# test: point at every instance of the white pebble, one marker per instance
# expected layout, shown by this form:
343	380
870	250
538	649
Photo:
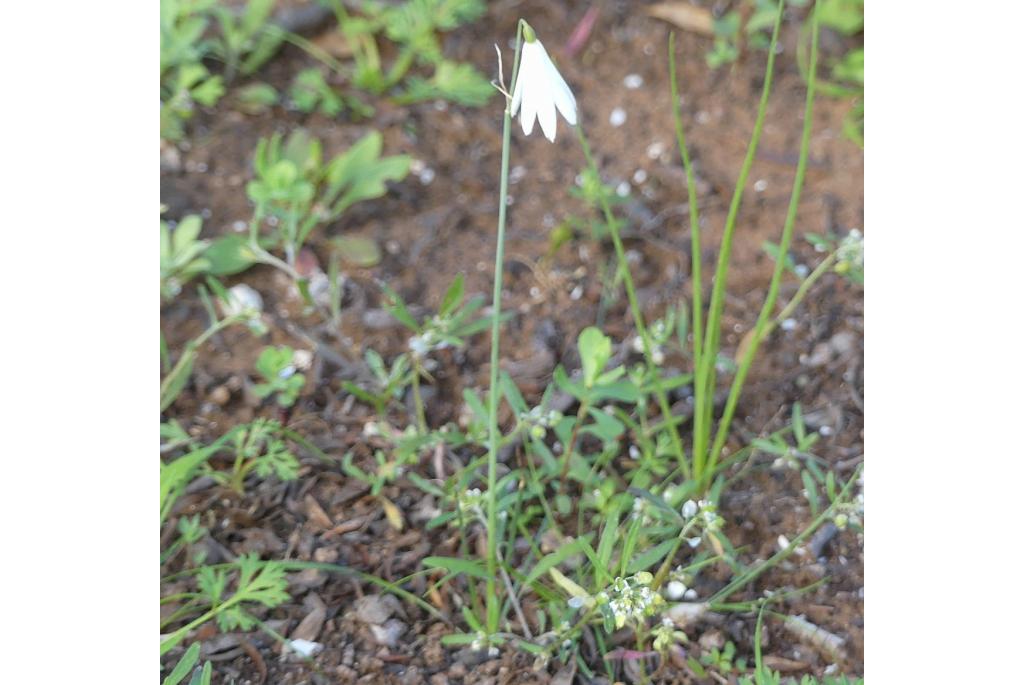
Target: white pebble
617	117
675	590
633	81
306	648
760	185
576	293
639	176
655	150
788	324
427	176
622	190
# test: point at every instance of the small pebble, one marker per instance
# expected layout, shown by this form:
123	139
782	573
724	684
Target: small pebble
633	81
617	117
427	176
220	395
655	150
639	176
788	324
760	185
622	190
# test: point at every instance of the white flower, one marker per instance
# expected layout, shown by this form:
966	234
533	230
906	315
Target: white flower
540	89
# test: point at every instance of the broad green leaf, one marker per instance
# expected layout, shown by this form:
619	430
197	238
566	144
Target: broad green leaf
229	255
595	350
184	665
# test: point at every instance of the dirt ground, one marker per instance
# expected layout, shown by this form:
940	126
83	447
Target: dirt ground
431	231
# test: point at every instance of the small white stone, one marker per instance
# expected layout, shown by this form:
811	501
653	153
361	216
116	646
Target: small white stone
427	176
690	595
633	81
675	590
576	293
788	324
693	542
622	190
306	648
302	359
639	176
617	117
760	185
783	542
655	150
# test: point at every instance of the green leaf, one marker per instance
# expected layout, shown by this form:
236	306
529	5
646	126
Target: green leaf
651	557
455	565
184	665
357	251
229	255
554	559
595	351
453	297
174	382
844	16
360	174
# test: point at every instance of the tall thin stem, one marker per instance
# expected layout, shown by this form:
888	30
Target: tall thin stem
493	603
638	319
691	191
705	380
761	327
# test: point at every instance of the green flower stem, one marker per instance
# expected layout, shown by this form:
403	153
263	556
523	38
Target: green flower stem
691	190
704	385
421	416
761	328
493	602
638	319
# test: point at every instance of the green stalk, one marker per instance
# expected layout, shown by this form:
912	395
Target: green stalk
705	381
493	603
691	189
638	319
760	329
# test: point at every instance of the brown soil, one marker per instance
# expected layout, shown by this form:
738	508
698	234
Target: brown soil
431	232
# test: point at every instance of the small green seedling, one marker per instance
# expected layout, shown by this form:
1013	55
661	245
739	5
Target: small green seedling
388	384
181	254
256	583
277	367
294	191
246	40
259	447
310	93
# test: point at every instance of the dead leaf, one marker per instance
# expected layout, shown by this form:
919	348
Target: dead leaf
316	514
685	16
333	43
393	514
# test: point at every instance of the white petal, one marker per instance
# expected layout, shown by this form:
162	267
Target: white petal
561	93
528	72
546	114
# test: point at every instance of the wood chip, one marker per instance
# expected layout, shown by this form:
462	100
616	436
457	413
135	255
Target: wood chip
316	514
685	16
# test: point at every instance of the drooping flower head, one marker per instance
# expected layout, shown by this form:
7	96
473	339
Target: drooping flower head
540	89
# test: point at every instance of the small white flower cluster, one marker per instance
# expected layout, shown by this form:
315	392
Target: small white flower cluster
849	512
657	354
246	302
641	510
789	460
539	421
481	642
471	502
707	518
850	254
426	342
665	635
629	600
